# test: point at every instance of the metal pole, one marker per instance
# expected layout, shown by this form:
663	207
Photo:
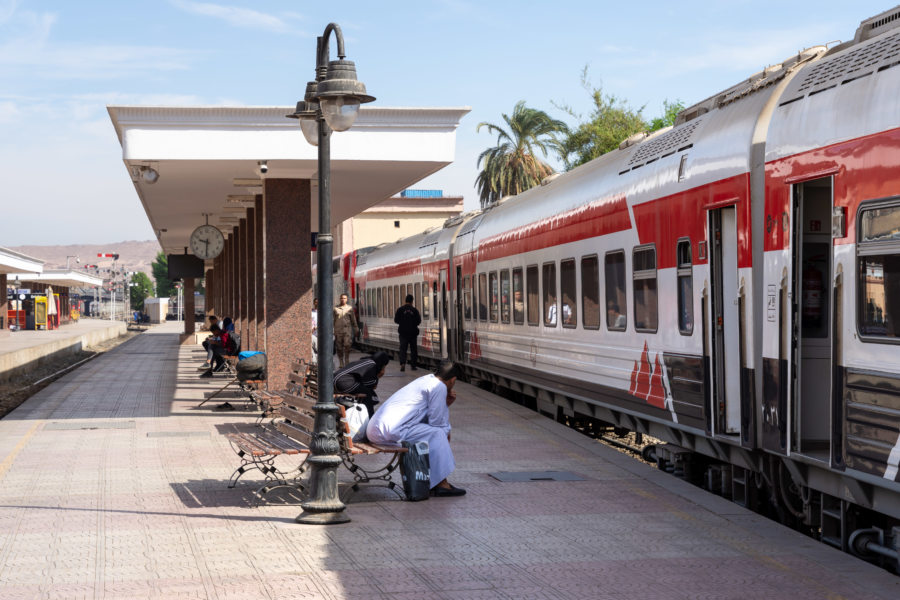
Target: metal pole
324	506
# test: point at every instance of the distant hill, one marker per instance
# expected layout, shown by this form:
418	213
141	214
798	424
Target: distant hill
133	255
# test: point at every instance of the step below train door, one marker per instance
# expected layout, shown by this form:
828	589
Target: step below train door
811	343
725	313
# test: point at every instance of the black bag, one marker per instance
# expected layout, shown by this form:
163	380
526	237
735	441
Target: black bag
415	470
252	367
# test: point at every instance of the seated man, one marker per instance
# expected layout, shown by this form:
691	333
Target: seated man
360	378
213	320
220	345
420	412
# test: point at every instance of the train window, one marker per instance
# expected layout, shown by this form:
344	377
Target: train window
878	251
518	297
435	299
567	288
482	297
614	272
426	314
467	298
358	300
646	317
685	288
504	296
548	279
590	292
397	300
379	302
402	294
534	295
418	295
495	296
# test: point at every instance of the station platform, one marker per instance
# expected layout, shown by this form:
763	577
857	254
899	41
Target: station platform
113	484
23	349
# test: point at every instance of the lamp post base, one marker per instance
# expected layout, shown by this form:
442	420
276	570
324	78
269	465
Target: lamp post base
327	517
324	506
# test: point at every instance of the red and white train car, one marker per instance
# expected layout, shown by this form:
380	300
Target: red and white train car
730	285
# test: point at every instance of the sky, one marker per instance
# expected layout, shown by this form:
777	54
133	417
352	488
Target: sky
63	62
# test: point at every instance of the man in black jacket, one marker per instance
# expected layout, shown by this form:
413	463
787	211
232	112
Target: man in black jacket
407	318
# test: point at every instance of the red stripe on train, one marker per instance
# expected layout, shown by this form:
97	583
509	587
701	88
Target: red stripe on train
600	217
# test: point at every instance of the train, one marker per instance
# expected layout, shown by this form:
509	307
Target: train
729	285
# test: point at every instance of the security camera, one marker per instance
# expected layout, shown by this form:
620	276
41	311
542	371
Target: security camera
263	167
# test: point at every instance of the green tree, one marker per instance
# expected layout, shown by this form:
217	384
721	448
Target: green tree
610	122
670	111
511	167
141	289
165	287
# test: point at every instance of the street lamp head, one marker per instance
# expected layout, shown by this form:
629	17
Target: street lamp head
340	95
306	114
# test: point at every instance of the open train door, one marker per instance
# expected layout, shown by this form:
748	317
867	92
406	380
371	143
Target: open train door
442	313
810	364
725	332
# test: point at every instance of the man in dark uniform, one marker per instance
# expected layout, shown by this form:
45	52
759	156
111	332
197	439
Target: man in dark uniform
407	319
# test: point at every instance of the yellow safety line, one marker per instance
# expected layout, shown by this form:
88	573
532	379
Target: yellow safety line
8	461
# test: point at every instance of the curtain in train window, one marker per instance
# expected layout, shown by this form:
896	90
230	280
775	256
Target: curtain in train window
402	294
518	297
426	314
567	288
532	283
646	315
495	296
685	288
504	296
397	299
590	292
614	271
548	280
878	248
482	297
467	298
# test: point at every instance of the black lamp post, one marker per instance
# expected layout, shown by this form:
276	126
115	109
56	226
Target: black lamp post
331	104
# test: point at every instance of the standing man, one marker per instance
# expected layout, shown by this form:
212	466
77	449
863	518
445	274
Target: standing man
345	329
407	319
420	412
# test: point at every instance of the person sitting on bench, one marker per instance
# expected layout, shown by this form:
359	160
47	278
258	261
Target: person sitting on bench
420	412
221	345
360	378
213	320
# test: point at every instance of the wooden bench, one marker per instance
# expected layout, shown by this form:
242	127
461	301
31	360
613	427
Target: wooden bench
291	432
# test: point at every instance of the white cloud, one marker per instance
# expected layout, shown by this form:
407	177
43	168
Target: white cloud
233	15
9	112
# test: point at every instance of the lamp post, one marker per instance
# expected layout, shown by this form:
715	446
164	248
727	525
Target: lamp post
331	103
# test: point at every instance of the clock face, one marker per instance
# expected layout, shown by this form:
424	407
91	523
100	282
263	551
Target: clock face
207	242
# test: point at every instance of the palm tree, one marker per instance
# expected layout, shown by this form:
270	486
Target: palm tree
511	166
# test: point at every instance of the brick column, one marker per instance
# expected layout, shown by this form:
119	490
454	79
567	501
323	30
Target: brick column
4	303
242	281
288	277
188	306
251	337
210	293
260	273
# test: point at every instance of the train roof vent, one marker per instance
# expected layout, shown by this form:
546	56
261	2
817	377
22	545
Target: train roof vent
878	24
676	140
431	239
849	66
470	226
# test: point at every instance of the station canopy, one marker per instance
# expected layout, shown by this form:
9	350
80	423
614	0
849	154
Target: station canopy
15	262
206	160
59	278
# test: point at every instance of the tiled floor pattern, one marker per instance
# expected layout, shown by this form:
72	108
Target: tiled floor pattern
113	485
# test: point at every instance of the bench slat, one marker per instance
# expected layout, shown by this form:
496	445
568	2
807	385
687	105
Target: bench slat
287	444
303	403
299	419
304	437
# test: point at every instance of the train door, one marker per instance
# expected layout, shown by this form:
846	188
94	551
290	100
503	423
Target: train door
810	311
442	322
458	333
726	384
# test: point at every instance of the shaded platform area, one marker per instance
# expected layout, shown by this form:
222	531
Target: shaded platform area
114	485
24	349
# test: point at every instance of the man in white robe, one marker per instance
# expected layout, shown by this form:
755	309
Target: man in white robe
420	412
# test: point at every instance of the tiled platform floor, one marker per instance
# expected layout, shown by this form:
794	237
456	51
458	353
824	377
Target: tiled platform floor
113	485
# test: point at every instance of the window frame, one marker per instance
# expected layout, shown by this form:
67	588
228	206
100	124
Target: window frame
684	270
483	297
512	300
544	306
868	248
600	312
560	317
644	275
624	289
494	298
467	298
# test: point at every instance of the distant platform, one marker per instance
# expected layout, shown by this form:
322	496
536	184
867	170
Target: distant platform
20	350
